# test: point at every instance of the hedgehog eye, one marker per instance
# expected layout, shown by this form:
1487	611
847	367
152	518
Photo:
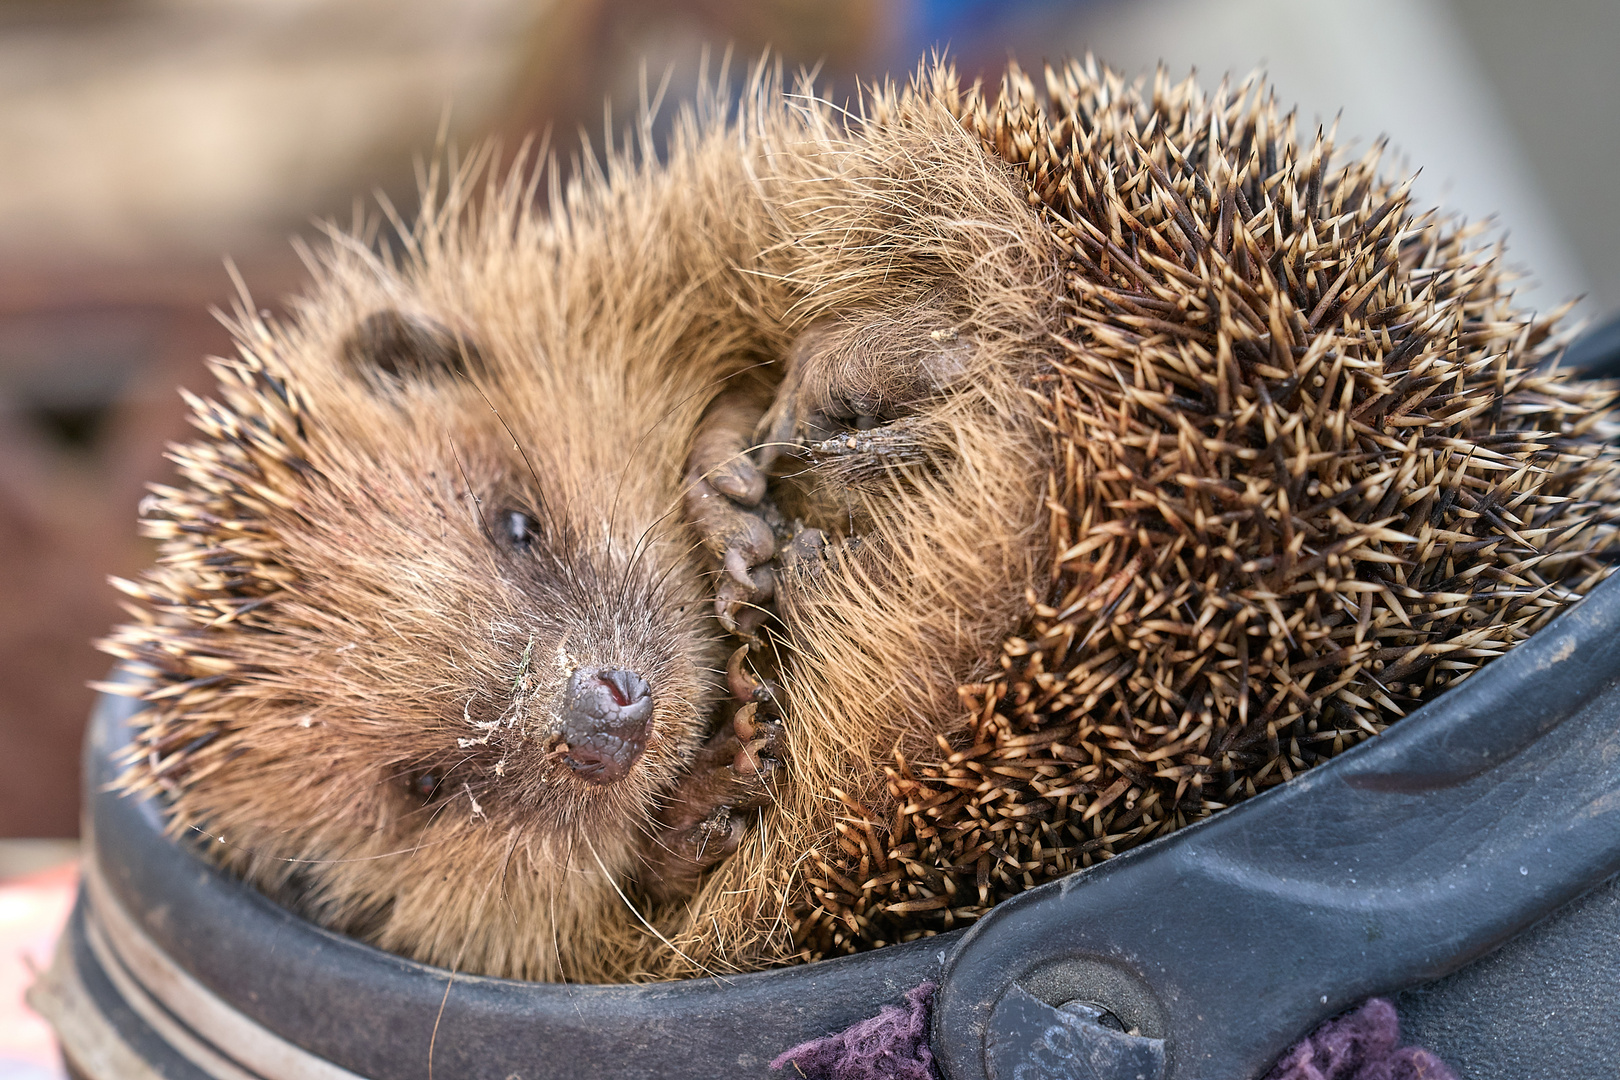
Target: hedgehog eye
517	529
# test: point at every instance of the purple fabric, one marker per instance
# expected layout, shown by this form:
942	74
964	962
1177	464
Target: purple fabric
893	1045
1360	1045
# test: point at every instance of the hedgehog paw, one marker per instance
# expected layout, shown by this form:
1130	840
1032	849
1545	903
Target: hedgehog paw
709	811
725	502
851	384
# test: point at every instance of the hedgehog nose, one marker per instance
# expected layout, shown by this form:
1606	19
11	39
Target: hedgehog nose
605	714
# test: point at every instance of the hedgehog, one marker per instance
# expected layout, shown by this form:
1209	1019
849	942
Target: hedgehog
799	542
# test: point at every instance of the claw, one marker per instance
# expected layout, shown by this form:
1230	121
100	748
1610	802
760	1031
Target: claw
730	531
738	566
739	680
744	723
741	606
707	816
745	686
739	480
760	759
755	723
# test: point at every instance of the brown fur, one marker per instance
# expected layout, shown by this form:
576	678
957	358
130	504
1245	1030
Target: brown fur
331	623
329	554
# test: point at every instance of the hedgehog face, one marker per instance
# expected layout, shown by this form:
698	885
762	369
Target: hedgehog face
556	681
430	606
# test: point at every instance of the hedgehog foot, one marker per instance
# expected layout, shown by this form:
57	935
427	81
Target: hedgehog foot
711	808
851	383
844	401
725	502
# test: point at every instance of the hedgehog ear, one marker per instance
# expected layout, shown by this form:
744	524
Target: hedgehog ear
388	348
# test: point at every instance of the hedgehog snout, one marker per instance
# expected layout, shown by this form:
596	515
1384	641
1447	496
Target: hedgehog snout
606	714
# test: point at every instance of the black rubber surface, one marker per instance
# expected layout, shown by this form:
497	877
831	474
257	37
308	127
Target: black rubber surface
135	1032
1546	1004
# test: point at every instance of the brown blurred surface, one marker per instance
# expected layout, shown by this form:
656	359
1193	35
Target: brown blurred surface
89	404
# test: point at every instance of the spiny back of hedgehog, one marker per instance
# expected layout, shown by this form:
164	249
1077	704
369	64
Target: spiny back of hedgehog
862	686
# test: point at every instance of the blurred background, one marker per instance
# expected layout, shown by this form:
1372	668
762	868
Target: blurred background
142	142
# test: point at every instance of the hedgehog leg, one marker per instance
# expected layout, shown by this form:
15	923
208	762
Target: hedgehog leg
852	383
848	388
725	501
711	808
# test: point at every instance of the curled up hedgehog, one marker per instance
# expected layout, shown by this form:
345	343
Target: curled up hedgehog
802	542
